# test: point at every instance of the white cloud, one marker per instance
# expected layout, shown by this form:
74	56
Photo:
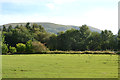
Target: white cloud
17	1
23	18
54	3
23	2
13	1
0	8
50	6
103	19
99	18
63	1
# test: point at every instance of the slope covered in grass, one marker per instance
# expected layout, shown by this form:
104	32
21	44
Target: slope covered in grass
60	66
54	28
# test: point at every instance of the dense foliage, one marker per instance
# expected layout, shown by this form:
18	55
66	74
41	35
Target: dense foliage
83	39
21	47
34	38
38	47
12	49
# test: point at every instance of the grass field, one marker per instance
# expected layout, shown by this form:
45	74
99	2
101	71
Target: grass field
60	66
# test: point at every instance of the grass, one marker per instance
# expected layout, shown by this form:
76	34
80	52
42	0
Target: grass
60	66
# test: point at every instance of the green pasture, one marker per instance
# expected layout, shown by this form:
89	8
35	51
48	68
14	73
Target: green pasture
60	66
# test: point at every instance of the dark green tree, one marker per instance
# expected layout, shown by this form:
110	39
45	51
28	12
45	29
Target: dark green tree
4	28
118	39
94	41
18	35
52	42
27	25
9	28
107	39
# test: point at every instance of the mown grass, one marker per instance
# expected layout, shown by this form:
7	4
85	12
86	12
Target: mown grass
60	66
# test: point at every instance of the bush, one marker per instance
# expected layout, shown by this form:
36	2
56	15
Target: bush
12	49
4	48
38	47
118	53
78	52
29	46
21	47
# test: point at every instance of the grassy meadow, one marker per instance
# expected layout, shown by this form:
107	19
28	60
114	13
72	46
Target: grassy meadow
60	66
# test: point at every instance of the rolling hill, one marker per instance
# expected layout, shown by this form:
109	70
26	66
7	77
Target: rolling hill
54	28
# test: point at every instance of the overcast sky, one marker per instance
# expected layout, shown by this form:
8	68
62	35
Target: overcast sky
101	14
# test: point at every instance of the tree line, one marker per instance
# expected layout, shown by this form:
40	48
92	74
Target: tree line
34	38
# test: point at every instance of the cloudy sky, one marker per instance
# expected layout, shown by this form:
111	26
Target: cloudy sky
101	14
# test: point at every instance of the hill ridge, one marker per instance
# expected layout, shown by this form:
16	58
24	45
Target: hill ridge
53	27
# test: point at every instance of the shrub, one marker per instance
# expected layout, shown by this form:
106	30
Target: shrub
38	47
29	46
21	47
118	52
12	49
4	48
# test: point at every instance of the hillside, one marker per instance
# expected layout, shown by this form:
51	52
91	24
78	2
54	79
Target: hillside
54	28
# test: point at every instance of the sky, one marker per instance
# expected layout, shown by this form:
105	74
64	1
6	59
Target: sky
101	14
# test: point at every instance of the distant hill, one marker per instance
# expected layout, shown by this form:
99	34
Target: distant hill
54	28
